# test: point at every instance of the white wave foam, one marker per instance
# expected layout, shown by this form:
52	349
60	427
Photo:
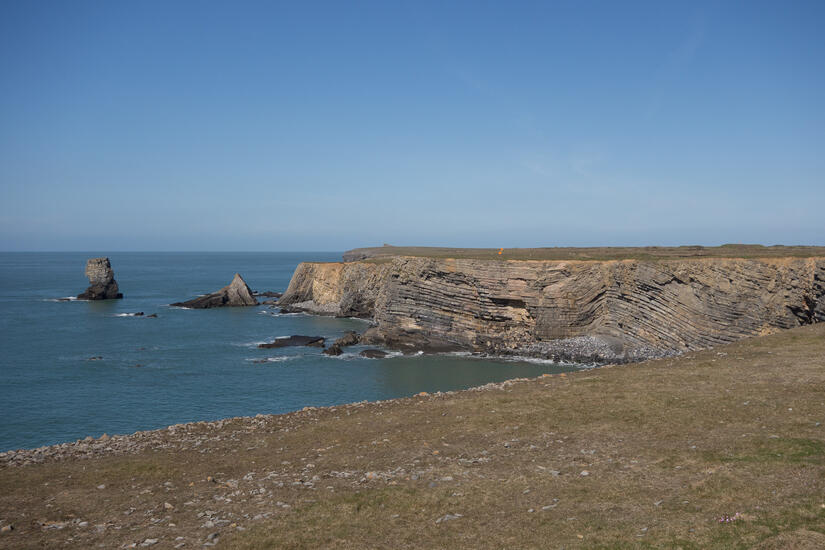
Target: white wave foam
278	359
249	344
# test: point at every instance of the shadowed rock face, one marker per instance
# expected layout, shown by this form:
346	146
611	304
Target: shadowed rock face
236	293
102	281
581	310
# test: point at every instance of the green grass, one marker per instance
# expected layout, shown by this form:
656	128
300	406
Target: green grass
651	253
669	445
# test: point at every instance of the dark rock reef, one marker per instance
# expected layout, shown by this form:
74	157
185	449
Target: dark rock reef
373	354
295	340
102	284
334	350
235	294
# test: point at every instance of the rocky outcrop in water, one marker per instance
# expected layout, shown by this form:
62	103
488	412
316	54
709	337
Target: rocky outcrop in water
295	340
236	293
617	310
334	350
373	354
102	284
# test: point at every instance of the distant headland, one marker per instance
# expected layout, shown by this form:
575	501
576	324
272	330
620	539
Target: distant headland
584	304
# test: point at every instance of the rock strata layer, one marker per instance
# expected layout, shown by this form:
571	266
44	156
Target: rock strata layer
102	284
236	294
617	310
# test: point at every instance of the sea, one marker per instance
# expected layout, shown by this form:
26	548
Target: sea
71	369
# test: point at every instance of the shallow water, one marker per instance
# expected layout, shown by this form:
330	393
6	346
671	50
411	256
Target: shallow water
186	365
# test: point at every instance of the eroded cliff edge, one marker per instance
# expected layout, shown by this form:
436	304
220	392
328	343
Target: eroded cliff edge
617	310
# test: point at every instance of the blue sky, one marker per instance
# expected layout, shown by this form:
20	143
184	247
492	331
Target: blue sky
326	126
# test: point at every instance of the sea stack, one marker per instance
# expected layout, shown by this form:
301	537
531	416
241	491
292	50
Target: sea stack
102	284
236	293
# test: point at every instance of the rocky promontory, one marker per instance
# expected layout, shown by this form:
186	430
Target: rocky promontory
102	284
636	304
236	293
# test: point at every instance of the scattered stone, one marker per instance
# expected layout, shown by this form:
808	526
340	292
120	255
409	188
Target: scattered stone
448	517
101	486
149	542
7	529
585	473
168	506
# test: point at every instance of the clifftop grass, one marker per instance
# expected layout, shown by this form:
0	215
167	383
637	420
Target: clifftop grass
649	253
650	455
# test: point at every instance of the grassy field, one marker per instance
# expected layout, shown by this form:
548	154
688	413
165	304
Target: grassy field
598	254
649	455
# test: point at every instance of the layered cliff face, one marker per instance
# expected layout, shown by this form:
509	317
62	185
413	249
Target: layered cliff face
586	310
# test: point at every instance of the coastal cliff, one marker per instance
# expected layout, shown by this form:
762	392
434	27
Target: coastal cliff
614	310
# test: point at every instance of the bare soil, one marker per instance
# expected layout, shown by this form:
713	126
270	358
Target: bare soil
648	455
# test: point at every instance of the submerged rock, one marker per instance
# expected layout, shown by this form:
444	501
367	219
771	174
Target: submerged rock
373	353
102	281
295	340
334	350
236	293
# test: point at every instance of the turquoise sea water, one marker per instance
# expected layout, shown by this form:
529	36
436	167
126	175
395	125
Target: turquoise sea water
186	365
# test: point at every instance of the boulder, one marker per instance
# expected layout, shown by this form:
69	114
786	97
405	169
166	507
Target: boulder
236	293
334	350
102	284
349	339
295	340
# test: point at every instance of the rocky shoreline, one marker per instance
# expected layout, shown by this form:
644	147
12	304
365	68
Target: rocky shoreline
193	435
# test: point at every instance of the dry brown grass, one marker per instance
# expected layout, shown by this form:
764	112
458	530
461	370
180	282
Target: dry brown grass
604	253
670	446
